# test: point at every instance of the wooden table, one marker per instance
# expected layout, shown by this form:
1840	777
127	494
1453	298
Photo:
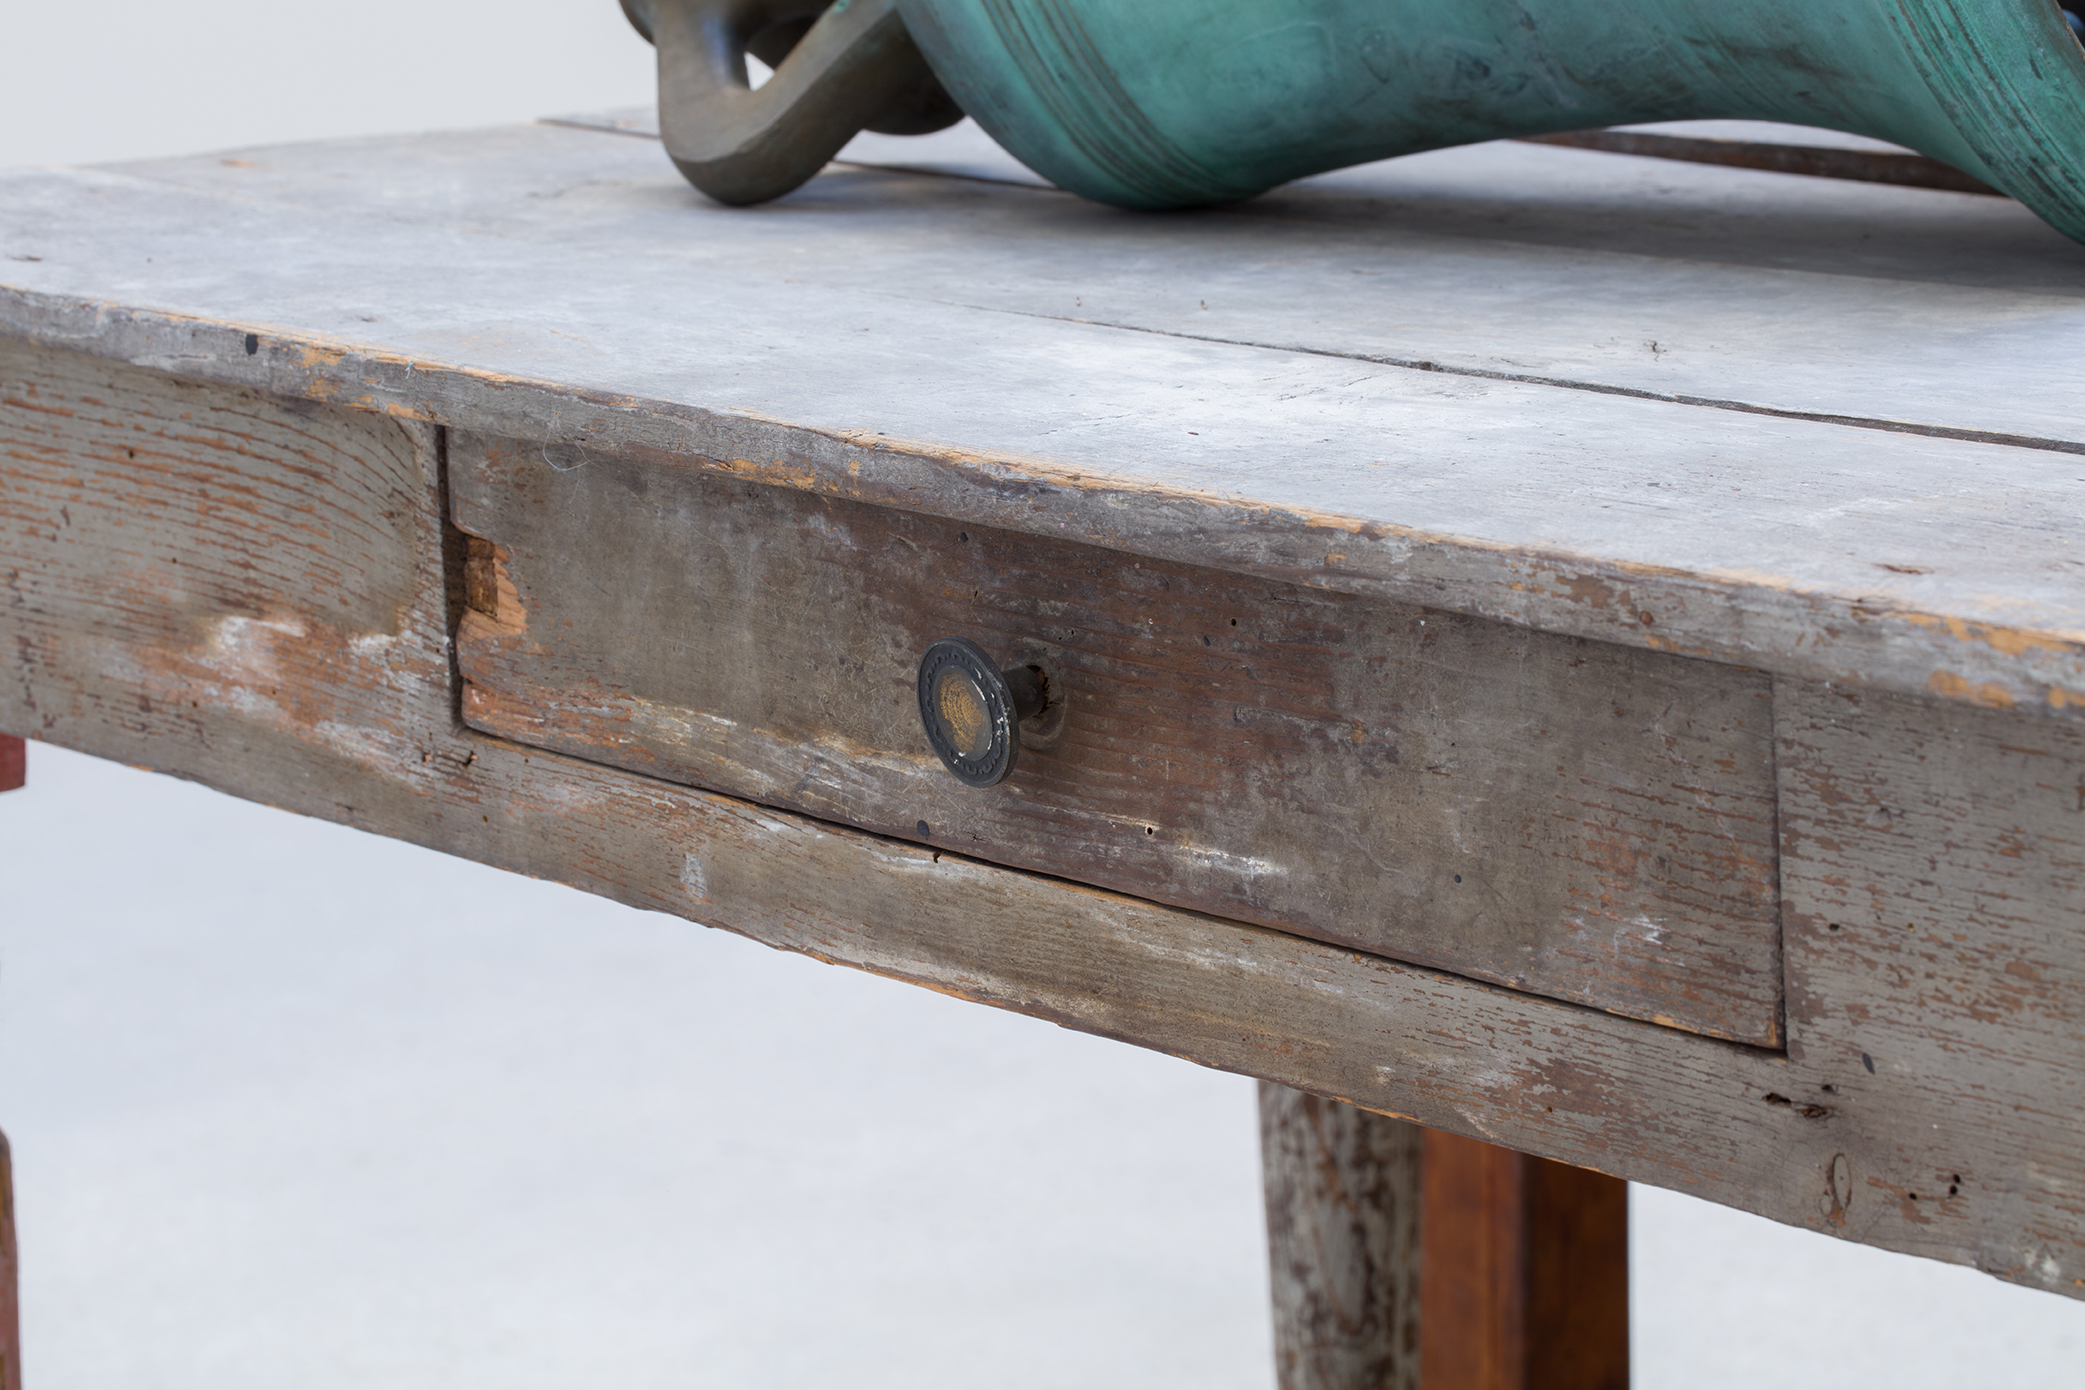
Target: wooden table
1568	651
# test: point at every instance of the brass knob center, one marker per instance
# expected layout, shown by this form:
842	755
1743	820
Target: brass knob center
963	712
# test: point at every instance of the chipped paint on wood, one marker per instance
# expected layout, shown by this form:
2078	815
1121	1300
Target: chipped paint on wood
1990	695
1578	819
1344	1200
119	570
1934	871
1727	613
320	613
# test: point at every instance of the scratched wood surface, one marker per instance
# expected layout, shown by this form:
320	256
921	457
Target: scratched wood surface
172	547
1934	866
1344	1195
1583	820
258	593
1789	423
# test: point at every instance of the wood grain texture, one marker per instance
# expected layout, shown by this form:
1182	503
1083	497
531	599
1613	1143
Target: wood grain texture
1475	1291
1577	1236
14	762
10	1278
1343	1220
1528	383
264	560
1935	869
1578	819
143	669
1526	1271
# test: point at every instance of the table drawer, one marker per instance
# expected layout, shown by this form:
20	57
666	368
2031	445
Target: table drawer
1585	821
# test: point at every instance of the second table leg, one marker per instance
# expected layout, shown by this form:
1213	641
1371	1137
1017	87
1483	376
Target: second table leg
13	772
10	1317
1404	1258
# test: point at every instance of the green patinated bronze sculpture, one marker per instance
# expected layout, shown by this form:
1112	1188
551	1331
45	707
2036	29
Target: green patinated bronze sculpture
1172	103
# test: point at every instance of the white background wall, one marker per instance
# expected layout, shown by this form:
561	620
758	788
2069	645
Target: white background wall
122	79
292	1105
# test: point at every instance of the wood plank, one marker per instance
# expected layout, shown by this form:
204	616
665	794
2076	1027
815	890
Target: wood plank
1343	1241
1757	289
1404	1257
1476	1290
189	548
13	775
1806	547
342	705
1578	819
1526	1271
1934	866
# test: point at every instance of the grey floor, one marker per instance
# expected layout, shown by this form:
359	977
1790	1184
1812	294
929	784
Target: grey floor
293	1106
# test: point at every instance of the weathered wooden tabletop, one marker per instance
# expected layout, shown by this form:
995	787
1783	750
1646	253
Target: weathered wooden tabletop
1688	557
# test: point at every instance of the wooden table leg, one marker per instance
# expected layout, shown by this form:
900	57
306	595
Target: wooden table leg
1343	1238
1407	1258
14	768
1527	1271
10	1310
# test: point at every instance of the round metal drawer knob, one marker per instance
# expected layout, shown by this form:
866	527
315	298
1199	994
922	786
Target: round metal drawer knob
972	710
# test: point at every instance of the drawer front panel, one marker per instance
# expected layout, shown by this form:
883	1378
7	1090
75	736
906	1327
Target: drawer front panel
1588	822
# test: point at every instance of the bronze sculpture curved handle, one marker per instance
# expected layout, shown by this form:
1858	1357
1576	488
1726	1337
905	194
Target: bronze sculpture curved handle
838	70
